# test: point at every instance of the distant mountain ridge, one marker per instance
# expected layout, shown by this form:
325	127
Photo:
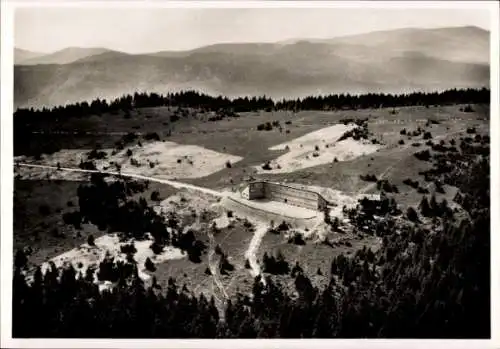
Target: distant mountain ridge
400	60
21	56
65	56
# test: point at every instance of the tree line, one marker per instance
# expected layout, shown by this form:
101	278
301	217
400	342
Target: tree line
197	100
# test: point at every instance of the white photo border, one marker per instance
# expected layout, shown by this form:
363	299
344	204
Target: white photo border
6	183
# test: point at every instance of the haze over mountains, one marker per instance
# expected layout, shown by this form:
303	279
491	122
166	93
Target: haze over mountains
387	61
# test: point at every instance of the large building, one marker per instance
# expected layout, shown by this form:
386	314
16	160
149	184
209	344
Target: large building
285	194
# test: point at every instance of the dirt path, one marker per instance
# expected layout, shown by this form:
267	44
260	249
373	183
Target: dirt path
213	265
253	247
172	183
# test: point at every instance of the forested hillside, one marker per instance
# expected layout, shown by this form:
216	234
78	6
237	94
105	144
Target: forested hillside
430	279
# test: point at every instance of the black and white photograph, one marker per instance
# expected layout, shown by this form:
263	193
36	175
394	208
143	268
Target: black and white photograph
199	171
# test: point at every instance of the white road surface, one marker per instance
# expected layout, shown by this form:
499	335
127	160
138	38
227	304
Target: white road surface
172	183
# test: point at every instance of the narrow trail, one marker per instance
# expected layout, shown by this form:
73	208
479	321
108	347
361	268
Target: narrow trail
175	184
253	247
213	265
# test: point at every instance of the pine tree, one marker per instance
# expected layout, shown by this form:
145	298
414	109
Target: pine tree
425	208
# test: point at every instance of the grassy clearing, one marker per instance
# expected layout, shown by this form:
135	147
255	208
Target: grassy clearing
240	137
43	229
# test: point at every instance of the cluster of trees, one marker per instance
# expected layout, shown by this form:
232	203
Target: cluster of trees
194	99
268	126
360	132
431	208
423	155
385	185
275	265
108	206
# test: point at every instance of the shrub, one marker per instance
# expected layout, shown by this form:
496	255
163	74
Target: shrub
266	127
283	226
422	190
402	132
467	109
423	155
425	208
228	164
90	240
95	154
296	239
134	162
368	178
152	136
44	209
266	166
427	135
74	218
401	141
129	137
129	152
218	250
156	248
149	265
411	183
471	130
247	224
87	165
275	265
439	188
383	184
225	265
155	195
411	214
128	249
20	259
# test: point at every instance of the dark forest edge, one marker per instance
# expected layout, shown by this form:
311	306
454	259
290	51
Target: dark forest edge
194	99
429	279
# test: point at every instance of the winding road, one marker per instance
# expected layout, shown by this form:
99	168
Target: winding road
175	184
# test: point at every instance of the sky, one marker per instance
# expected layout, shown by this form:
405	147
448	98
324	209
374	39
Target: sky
140	30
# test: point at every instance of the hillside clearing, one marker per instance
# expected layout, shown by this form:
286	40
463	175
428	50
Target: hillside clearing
163	160
86	256
318	148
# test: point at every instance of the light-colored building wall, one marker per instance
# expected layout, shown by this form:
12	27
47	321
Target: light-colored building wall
286	194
